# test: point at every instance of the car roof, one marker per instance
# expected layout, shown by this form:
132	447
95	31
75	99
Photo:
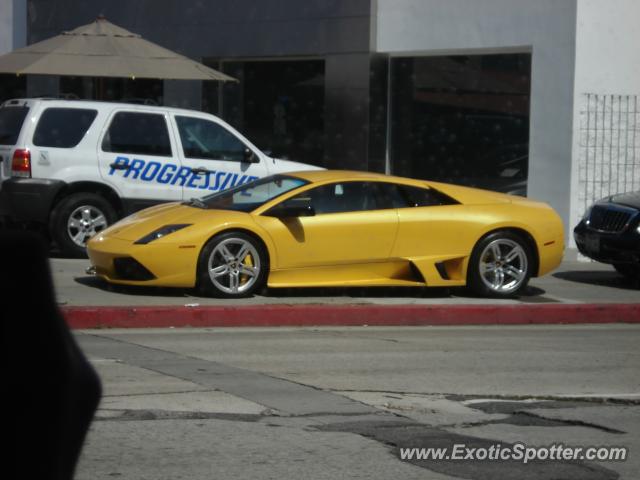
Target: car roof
62	102
319	176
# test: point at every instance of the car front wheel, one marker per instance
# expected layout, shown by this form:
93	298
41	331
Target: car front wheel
232	265
500	265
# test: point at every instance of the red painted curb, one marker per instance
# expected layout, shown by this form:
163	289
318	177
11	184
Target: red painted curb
347	315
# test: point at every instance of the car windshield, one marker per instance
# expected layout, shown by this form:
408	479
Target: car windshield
250	196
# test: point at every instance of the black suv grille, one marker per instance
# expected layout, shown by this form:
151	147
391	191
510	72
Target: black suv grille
606	219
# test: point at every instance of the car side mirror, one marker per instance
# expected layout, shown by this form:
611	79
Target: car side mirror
292	210
249	157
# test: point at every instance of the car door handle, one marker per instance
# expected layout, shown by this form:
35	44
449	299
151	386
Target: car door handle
200	171
120	166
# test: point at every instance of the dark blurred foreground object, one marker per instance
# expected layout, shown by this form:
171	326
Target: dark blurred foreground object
50	391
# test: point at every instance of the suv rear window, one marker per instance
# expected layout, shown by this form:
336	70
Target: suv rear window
11	120
138	133
63	127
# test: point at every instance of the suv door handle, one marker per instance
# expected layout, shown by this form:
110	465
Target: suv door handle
119	166
200	171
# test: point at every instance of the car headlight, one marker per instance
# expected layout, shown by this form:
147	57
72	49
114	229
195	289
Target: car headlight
161	232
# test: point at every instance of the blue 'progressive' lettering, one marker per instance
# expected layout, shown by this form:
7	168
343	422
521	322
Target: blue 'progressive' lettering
171	174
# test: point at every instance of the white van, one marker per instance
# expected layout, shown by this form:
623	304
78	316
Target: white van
78	166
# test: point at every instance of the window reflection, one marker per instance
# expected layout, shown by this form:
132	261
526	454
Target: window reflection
462	119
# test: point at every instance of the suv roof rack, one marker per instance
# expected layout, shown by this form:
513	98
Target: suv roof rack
74	97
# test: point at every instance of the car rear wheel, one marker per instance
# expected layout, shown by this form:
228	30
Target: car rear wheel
629	270
500	265
77	218
232	265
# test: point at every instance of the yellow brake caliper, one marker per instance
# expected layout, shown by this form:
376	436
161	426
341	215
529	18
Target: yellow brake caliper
248	262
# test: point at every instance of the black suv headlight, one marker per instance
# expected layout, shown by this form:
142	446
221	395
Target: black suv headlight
161	232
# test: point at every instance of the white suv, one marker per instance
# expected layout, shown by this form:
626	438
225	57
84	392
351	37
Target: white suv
78	166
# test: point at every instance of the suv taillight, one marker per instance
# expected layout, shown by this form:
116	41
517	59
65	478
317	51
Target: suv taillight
21	163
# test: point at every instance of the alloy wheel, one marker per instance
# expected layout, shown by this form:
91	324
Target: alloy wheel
84	222
503	266
234	266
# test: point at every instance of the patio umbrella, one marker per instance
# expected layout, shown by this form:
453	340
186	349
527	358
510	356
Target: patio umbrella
102	49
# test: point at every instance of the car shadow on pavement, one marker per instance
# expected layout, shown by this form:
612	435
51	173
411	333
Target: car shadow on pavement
531	294
599	278
95	282
362	292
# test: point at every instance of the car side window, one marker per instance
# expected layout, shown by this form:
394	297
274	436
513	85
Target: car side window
424	197
138	133
63	127
340	197
209	140
389	195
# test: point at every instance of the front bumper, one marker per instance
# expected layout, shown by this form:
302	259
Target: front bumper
550	256
167	264
610	248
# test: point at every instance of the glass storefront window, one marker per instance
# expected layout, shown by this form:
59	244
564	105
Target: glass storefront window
279	105
12	86
142	90
462	119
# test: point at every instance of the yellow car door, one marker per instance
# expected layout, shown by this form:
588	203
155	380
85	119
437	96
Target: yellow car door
347	227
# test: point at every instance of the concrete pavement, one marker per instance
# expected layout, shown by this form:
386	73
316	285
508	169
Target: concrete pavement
340	402
578	292
572	282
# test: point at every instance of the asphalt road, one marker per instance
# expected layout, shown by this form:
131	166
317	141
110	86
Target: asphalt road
573	282
334	403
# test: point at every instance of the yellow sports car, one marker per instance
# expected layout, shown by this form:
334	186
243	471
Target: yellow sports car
334	228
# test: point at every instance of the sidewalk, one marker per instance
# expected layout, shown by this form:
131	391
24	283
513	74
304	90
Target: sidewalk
578	292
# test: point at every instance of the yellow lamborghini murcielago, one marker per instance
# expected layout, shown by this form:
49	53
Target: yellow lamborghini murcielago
334	228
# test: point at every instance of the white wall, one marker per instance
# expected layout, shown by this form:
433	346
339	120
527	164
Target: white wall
607	65
608	46
13	25
6	26
544	27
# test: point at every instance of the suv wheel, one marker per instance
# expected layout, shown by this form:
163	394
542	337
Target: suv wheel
500	265
77	218
232	265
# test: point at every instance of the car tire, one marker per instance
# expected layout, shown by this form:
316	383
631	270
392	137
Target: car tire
232	265
628	270
500	265
77	218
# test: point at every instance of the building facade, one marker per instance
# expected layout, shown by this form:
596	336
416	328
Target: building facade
13	34
537	98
